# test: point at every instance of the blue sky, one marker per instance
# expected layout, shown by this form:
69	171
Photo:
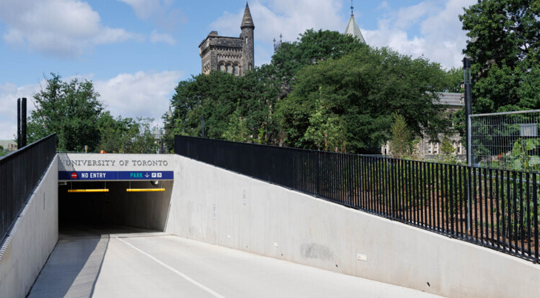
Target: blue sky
136	51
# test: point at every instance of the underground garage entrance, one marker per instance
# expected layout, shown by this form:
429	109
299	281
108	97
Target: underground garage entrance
113	193
114	206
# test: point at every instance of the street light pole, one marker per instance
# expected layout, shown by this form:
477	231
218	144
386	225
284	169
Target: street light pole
468	111
468	105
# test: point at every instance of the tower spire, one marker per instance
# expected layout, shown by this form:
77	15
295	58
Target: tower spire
352	27
247	21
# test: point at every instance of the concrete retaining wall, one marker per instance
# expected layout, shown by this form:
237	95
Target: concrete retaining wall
32	240
220	207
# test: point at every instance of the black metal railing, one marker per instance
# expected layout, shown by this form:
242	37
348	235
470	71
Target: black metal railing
20	173
493	208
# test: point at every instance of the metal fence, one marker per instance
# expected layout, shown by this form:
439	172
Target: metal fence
20	172
493	208
506	140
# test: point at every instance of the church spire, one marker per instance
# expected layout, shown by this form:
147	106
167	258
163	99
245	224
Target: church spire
352	27
247	21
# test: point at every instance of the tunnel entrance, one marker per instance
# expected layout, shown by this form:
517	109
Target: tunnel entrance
113	212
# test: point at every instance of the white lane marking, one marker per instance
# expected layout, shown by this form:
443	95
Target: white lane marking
174	270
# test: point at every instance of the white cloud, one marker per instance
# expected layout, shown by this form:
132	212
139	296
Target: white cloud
384	5
290	18
64	28
441	38
157	11
9	94
141	94
156	37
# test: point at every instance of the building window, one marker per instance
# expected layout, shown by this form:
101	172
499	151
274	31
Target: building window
430	148
222	67
236	71
458	149
250	67
436	148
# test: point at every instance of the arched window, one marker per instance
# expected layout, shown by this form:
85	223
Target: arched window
236	71
229	68
250	67
222	67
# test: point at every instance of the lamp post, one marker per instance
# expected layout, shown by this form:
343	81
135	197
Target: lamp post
468	111
468	105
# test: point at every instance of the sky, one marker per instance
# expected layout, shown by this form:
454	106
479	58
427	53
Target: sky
136	51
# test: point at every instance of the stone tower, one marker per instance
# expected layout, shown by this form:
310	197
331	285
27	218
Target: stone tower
234	55
248	28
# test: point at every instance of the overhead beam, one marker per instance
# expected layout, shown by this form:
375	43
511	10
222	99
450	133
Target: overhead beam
145	189
87	190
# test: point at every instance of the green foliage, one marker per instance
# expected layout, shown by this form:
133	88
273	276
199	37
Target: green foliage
69	109
402	144
311	48
324	91
519	158
505	52
237	131
125	135
327	130
220	96
72	111
363	89
3	152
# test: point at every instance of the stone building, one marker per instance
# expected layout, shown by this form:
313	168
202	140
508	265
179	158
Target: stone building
427	150
8	145
234	55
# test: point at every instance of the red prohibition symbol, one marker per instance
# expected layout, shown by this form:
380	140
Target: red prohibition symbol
74	175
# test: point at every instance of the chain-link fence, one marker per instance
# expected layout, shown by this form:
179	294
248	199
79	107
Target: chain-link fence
506	140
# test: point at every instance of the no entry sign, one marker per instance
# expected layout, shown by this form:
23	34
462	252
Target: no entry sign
74	175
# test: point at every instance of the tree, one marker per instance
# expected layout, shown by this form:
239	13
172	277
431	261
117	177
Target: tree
141	138
125	135
69	109
3	152
403	141
220	96
448	150
504	49
363	90
214	96
326	130
311	48
237	131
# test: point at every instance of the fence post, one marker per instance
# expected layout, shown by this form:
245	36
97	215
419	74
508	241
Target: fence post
535	214
318	173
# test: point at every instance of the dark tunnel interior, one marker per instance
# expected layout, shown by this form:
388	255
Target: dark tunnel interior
117	207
